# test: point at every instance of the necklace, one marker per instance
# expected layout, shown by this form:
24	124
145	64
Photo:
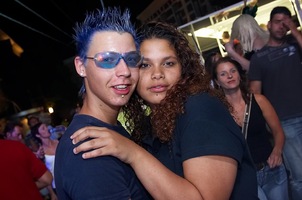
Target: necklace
238	113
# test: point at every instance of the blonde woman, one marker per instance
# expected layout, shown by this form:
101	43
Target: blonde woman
251	37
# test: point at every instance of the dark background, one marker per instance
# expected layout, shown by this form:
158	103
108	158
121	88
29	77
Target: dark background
44	74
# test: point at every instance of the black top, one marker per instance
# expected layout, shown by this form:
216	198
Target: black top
258	137
207	128
100	178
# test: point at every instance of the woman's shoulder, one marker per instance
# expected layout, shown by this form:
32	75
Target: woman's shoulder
262	101
204	103
202	96
259	98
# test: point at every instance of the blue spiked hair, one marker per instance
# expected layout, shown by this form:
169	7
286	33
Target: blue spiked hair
109	19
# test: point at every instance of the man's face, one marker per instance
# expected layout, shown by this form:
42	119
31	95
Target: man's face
16	134
109	87
277	27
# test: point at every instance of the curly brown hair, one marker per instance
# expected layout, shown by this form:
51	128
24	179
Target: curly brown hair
193	80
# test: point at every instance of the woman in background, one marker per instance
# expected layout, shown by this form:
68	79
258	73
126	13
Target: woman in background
41	134
271	174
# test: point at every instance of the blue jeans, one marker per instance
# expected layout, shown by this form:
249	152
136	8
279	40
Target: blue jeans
272	183
292	154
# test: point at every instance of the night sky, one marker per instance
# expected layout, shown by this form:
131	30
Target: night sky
44	30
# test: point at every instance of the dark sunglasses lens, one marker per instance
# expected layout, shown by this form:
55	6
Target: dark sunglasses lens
106	60
132	59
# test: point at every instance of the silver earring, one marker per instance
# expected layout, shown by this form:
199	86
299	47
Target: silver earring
82	74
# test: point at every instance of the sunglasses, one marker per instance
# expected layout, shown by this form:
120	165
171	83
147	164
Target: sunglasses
110	59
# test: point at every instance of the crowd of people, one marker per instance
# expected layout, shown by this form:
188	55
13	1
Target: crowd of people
271	61
23	161
228	130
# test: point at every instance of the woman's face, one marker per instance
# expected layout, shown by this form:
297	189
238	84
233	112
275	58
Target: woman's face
227	76
160	70
43	131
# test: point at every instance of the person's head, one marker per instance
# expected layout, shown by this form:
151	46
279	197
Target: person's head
39	132
170	72
210	60
32	120
276	25
246	29
14	131
229	76
168	62
280	10
107	56
162	66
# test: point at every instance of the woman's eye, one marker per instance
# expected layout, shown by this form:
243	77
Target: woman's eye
169	64
144	65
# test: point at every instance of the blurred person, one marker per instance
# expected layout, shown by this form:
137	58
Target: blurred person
252	112
32	120
210	60
22	173
107	60
41	134
55	131
189	145
14	131
251	36
209	63
276	72
31	142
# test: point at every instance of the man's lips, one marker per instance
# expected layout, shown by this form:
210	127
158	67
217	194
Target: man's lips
122	89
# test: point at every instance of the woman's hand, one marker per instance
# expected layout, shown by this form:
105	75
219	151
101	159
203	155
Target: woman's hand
275	159
40	153
103	142
229	48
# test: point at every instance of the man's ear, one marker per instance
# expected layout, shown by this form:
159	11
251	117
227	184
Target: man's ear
79	66
268	25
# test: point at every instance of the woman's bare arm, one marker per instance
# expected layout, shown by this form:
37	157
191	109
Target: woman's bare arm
270	115
206	177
